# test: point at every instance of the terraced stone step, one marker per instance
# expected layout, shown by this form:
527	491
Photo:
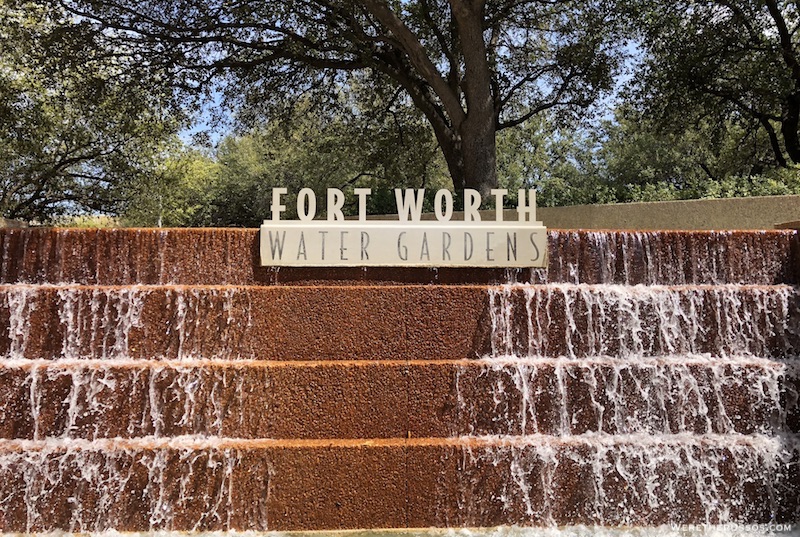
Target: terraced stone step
368	323
634	321
240	402
269	323
218	484
228	256
379	399
661	395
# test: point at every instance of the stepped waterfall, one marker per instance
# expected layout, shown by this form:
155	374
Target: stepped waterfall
159	380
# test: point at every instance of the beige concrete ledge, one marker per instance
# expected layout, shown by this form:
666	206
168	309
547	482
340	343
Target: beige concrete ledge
767	212
7	222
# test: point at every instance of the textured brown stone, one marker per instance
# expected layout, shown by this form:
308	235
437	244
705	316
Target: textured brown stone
363	400
266	323
488	484
288	485
587	321
229	257
562	398
181	387
316	401
277	487
367	323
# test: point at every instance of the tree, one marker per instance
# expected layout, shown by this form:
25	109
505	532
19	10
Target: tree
562	163
630	157
69	137
472	67
344	151
727	61
636	152
178	192
232	184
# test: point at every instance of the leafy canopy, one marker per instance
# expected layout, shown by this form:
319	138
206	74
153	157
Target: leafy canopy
728	61
471	67
71	134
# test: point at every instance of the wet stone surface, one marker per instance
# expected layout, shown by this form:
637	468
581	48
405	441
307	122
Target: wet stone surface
158	380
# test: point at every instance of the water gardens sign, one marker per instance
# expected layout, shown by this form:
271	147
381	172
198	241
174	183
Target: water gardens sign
409	240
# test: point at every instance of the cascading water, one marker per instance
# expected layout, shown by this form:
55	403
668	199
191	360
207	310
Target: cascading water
639	404
644	384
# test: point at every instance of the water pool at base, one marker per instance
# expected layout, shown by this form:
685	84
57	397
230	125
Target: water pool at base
689	530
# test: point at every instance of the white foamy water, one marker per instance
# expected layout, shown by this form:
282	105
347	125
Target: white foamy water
110	483
616	405
728	530
131	398
659	258
99	322
654	395
628	384
600	320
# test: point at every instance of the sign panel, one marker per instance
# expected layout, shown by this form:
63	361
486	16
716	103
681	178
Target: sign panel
412	244
409	241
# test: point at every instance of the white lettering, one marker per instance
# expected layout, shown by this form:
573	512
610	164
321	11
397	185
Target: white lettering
472	204
306	205
362	194
335	204
409	204
526	211
499	200
447	197
277	207
404	242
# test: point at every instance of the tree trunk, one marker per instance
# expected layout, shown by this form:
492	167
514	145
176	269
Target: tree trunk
466	137
472	157
478	150
477	131
773	141
453	156
789	127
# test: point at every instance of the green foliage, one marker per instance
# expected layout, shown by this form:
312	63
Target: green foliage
776	182
71	136
732	62
562	164
87	221
469	68
645	162
233	186
631	158
345	152
177	193
92	93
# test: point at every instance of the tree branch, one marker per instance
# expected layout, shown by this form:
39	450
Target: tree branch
418	57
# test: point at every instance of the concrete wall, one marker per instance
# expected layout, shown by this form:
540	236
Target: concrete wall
7	222
731	213
765	212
